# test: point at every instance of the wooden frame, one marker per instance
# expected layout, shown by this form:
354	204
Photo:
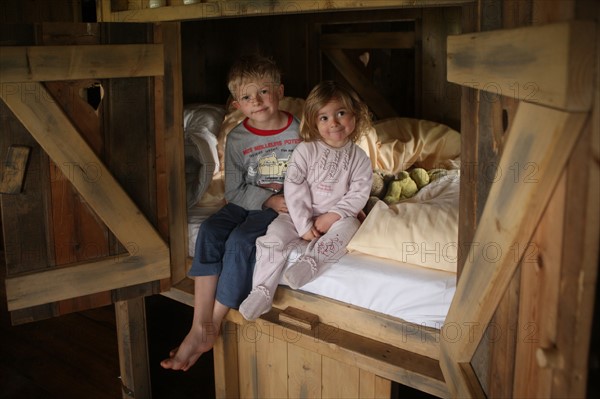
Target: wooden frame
514	207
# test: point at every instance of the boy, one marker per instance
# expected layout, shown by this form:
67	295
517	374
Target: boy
256	155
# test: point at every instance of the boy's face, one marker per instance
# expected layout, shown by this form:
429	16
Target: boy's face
259	101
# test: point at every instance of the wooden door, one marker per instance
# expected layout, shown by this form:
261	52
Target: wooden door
87	222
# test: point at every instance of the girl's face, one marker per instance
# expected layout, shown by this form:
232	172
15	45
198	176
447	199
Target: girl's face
335	123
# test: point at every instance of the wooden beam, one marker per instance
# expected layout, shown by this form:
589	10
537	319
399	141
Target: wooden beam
60	140
359	82
172	135
368	40
56	284
536	152
47	63
551	65
133	348
227	8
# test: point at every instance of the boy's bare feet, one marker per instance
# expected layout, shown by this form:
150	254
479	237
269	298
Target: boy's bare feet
198	341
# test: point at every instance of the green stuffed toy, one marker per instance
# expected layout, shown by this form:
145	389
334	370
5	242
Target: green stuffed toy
393	189
420	176
401	188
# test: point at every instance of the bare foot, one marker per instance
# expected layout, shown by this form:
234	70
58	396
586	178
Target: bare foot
198	341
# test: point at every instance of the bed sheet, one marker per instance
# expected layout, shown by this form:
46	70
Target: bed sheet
415	294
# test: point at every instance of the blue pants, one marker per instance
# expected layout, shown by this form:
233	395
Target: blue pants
226	246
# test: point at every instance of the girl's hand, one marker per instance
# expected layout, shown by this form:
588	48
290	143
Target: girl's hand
277	203
323	222
311	234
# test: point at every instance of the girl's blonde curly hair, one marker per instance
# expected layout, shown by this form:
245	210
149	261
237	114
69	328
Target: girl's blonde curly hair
324	93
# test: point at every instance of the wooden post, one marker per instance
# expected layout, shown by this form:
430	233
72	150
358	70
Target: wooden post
133	353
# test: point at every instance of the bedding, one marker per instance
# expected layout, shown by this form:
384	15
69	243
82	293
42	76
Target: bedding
421	230
201	126
399	289
402	261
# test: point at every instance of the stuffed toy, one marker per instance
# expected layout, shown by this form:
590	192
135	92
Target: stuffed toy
401	188
406	184
380	183
420	176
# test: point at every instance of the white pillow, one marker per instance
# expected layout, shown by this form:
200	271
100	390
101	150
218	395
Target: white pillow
201	124
422	230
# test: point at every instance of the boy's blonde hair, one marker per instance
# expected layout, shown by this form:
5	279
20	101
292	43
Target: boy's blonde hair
324	93
252	67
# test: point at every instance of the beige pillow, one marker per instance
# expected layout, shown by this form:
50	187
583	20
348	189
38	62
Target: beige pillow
406	142
422	230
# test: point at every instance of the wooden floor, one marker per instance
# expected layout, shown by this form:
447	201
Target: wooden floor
76	356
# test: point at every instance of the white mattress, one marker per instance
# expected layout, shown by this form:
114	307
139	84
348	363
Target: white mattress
416	294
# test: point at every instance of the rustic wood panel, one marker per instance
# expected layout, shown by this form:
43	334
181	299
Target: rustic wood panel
440	100
247	361
373	386
339	380
579	274
26	245
14	169
24	221
271	366
77	233
304	372
540	281
226	355
404	40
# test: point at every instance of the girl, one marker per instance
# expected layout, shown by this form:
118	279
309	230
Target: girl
327	184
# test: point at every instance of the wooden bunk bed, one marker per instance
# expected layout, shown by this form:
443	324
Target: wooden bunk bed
366	351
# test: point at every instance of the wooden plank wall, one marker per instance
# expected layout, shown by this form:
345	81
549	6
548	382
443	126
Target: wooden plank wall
412	88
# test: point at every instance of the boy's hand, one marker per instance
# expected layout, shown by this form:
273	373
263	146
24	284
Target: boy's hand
275	187
323	222
277	203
